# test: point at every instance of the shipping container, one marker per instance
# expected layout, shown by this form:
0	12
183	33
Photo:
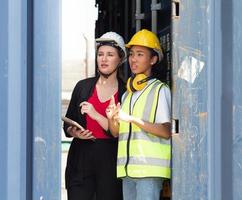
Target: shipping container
201	41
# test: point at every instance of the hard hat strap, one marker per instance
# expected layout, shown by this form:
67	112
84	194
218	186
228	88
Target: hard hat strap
109	74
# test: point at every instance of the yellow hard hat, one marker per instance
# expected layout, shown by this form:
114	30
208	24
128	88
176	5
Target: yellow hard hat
147	39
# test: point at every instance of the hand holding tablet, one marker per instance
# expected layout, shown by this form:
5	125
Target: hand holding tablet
77	130
72	123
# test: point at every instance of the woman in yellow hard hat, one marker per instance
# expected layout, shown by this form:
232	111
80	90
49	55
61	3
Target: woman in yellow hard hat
142	123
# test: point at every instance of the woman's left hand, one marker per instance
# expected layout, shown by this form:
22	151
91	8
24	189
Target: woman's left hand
88	108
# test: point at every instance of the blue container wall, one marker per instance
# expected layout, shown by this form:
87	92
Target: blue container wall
4	97
237	99
30	138
46	100
190	92
207	98
13	113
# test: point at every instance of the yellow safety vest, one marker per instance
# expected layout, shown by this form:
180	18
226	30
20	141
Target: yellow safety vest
141	154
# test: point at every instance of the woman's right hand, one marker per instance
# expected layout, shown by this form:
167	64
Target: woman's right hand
111	110
112	114
81	134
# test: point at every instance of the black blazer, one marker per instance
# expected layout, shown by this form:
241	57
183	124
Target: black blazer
82	91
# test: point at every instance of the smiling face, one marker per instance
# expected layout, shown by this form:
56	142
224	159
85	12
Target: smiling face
141	60
107	59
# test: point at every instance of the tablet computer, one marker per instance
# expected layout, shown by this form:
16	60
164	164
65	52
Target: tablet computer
72	123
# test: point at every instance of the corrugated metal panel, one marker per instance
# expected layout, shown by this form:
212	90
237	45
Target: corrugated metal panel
190	99
13	95
237	103
4	96
46	100
207	100
18	124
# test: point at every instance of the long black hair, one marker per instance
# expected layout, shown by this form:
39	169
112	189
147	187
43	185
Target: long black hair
159	69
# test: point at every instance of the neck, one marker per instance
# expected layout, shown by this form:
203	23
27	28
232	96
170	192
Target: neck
111	80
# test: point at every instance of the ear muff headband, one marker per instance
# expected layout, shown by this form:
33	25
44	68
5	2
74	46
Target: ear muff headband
128	85
138	82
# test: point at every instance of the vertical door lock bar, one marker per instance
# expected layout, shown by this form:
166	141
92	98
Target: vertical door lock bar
175	126
175	9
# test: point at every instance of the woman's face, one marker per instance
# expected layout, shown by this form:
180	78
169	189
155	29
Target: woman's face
140	60
107	59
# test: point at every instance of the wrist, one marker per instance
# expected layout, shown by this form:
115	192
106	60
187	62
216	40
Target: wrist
135	120
97	117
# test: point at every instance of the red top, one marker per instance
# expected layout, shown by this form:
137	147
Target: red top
100	107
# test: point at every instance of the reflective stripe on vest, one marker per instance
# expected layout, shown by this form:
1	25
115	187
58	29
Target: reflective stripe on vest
141	154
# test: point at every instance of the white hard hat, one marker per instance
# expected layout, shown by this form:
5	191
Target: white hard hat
113	37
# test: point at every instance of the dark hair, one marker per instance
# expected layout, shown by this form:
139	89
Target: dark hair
158	70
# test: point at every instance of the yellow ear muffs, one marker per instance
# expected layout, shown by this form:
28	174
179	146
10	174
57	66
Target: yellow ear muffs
139	82
136	83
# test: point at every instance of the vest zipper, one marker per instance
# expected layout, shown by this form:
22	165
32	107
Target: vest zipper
128	141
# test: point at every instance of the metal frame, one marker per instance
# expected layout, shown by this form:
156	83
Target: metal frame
214	108
227	99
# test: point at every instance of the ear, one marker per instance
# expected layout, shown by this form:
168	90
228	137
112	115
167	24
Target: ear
154	60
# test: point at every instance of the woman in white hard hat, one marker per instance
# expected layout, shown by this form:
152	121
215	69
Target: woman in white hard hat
143	125
91	164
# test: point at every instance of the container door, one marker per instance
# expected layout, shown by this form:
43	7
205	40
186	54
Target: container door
190	61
